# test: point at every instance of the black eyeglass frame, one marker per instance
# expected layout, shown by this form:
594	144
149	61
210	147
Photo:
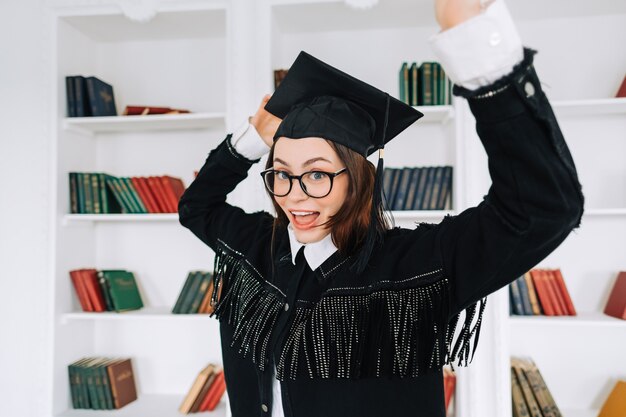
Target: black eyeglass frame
331	175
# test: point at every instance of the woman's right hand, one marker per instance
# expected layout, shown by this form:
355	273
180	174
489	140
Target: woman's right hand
265	122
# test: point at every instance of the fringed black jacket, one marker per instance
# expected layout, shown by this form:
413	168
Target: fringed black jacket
374	344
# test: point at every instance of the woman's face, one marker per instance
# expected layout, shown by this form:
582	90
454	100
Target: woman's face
306	214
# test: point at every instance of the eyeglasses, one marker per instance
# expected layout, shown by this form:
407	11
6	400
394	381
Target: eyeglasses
316	184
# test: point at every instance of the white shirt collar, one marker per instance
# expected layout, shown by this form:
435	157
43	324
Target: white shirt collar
315	253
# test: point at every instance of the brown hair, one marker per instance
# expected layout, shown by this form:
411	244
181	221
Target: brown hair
350	224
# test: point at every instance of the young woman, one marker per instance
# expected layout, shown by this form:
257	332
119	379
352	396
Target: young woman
324	309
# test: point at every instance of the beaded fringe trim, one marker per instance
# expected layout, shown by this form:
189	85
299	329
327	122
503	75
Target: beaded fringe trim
246	304
386	332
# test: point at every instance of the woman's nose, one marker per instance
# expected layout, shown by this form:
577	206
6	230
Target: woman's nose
297	193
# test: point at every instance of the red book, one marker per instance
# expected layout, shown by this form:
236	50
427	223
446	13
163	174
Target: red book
81	290
214	394
157	189
93	289
168	188
542	292
142	194
616	306
622	89
553	292
569	305
145	182
449	383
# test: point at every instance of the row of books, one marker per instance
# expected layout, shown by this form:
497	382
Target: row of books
424	85
418	188
530	394
541	292
89	96
101	383
106	290
449	387
195	296
101	193
206	391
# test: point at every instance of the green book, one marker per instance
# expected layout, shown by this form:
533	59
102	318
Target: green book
121	188
117	193
134	195
185	307
106	383
95	194
403	78
183	292
413	74
199	295
88	192
123	290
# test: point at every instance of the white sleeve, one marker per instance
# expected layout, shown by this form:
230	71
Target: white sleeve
481	49
247	141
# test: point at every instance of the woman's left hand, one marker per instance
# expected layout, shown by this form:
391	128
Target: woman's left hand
450	13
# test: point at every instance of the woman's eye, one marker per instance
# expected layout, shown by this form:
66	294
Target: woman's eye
317	176
282	175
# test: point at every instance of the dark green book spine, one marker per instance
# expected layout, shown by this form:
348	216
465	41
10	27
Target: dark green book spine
183	293
73	193
102	187
199	295
97	205
185	308
87	188
135	195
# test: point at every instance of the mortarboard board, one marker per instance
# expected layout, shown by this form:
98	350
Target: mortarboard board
318	100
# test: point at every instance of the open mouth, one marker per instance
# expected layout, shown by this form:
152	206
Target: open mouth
304	219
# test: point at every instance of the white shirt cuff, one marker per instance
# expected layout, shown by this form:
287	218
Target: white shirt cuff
247	141
481	49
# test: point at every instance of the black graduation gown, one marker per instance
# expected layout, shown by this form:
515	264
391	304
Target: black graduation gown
374	344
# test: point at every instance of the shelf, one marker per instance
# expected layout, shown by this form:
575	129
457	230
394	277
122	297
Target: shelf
146	313
605	212
582	319
153	405
439	113
570	412
110	124
590	107
137	217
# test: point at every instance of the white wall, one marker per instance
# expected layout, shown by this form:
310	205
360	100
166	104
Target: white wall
24	208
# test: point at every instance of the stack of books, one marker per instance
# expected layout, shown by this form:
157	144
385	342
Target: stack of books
101	193
106	290
540	292
89	96
195	296
418	188
531	396
424	85
100	383
206	391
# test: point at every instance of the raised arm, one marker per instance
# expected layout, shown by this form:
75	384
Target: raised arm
203	208
535	199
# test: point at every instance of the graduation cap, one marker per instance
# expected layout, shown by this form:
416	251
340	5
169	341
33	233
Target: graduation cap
316	99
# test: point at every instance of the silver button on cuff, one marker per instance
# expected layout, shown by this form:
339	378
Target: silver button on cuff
286	306
264	408
529	88
495	39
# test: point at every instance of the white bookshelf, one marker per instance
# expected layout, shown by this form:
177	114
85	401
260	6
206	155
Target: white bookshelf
219	70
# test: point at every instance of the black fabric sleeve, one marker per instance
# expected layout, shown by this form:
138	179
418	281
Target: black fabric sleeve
535	198
203	208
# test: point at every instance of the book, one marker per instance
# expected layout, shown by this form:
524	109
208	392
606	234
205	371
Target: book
279	75
621	91
403	78
196	388
531	396
565	296
616	304
122	287
615	404
122	382
148	110
101	98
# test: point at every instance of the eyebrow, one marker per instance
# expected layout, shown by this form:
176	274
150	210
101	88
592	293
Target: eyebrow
308	162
